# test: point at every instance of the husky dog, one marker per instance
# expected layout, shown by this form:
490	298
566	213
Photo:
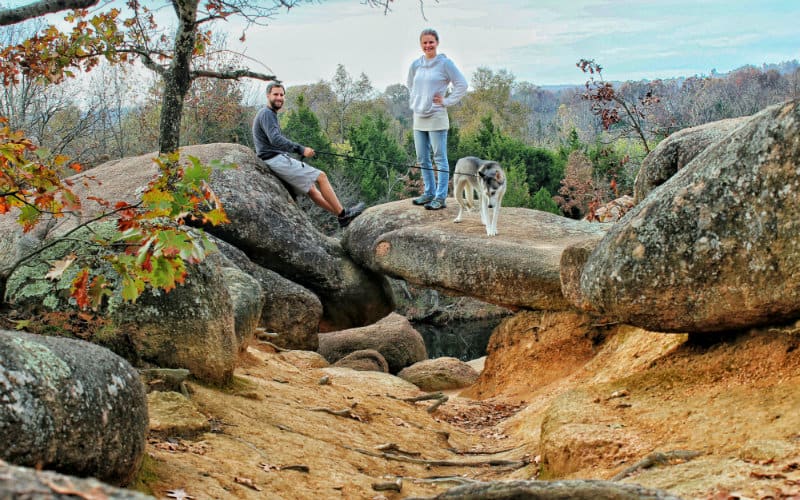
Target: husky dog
485	177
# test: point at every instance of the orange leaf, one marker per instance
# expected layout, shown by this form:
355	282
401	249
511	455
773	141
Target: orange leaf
80	289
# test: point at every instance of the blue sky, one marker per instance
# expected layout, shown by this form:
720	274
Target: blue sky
538	41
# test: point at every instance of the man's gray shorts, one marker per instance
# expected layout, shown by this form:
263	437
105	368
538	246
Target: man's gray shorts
300	176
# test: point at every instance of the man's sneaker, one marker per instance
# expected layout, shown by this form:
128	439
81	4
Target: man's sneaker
422	200
436	204
351	213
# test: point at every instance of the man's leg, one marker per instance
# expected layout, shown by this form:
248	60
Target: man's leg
325	197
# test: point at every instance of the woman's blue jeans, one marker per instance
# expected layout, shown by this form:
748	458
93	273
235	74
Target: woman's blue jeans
426	141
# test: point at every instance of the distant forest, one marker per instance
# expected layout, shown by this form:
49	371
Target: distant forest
563	148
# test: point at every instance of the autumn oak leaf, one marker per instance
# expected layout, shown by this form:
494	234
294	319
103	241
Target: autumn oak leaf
59	266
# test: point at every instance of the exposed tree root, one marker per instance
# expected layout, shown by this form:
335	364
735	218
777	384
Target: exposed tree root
441	398
657	458
443	463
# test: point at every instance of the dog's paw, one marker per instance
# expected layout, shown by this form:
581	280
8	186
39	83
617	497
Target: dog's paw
491	232
457	220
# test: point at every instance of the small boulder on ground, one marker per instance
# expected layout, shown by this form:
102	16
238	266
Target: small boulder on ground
366	360
393	337
440	374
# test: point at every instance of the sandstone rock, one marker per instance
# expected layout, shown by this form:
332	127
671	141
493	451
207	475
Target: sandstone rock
291	311
766	450
716	247
519	267
70	406
173	414
382	383
676	151
365	360
28	483
577	434
393	337
305	359
439	374
550	344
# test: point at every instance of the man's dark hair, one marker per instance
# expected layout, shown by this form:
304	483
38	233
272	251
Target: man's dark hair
272	85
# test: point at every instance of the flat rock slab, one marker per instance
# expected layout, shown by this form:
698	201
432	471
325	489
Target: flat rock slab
519	267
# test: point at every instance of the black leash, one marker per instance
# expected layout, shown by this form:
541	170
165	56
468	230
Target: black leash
409	167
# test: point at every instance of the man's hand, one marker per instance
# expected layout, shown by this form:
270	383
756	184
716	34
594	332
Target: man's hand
308	152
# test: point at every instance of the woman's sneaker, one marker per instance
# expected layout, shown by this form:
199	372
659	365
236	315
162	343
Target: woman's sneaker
422	200
436	204
351	213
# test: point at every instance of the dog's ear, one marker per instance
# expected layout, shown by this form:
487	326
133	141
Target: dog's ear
498	173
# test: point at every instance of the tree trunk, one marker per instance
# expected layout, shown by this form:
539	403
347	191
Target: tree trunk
177	78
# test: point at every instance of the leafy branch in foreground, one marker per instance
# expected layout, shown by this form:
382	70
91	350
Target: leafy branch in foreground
148	245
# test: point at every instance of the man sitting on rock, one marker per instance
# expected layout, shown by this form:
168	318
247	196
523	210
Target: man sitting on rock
274	148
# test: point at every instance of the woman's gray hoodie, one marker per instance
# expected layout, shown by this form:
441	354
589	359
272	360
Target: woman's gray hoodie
428	77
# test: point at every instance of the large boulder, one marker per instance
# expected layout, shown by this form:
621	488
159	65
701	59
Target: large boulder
291	311
676	151
393	337
275	233
716	246
519	267
70	406
192	326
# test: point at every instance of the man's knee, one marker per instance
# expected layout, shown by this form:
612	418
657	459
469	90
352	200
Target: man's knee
322	177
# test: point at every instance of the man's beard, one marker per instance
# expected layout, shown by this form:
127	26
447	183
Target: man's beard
275	105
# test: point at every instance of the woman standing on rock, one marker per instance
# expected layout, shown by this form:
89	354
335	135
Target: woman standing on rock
428	80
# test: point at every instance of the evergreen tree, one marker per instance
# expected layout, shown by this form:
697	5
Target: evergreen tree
543	168
302	126
517	191
381	159
543	201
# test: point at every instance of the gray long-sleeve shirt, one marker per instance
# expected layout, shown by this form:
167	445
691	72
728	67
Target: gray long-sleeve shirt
269	139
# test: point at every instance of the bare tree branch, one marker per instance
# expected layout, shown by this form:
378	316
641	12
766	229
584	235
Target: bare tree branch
40	8
231	75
